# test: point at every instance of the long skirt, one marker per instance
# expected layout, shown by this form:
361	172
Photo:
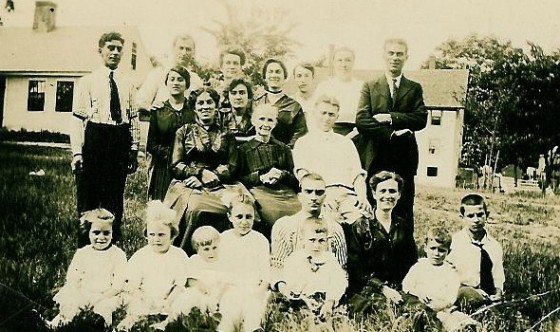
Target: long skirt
159	178
197	208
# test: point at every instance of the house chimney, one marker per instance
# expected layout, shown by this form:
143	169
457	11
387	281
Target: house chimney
45	16
432	62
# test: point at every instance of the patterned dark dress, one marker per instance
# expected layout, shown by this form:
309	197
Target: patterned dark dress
273	201
164	122
240	127
199	148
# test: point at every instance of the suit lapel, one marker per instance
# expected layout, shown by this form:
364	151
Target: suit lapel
404	88
382	88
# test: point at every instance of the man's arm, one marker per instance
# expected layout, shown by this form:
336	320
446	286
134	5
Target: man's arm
366	123
414	118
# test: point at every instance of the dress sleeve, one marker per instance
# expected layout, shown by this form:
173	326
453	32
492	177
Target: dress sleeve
300	126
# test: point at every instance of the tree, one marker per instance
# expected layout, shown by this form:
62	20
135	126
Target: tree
512	99
262	35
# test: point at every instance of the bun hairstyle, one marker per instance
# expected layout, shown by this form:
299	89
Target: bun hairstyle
238	198
98	215
159	213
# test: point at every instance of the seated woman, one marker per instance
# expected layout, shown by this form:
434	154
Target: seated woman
237	118
203	160
380	250
164	122
291	119
265	168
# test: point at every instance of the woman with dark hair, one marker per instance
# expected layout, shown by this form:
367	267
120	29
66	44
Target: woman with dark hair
291	119
237	118
380	250
164	122
203	160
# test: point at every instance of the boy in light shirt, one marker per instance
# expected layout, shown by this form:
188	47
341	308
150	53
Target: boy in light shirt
313	274
436	283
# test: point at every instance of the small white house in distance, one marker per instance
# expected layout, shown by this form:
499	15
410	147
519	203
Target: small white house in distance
440	142
39	68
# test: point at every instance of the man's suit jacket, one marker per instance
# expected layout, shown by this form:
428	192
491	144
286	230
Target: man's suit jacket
379	147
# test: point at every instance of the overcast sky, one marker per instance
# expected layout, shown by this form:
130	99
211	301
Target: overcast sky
359	24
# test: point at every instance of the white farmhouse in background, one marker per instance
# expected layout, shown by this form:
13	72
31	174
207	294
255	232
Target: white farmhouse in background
39	68
440	142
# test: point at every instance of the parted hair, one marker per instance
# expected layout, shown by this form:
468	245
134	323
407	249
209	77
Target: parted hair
183	72
305	65
236	81
110	36
315	226
384	176
196	93
272	60
324	99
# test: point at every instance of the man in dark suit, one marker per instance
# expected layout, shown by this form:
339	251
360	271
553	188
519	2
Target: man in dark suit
390	110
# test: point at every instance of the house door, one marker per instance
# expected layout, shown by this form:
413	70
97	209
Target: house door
2	94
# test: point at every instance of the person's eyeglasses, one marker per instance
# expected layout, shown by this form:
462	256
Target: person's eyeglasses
318	192
207	102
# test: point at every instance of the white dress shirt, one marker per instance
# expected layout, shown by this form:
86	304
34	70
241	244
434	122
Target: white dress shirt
465	257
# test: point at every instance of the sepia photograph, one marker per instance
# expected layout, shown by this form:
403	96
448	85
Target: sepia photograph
279	166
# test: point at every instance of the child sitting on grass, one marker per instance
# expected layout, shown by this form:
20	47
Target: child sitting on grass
207	279
436	283
157	273
477	256
246	254
95	275
313	274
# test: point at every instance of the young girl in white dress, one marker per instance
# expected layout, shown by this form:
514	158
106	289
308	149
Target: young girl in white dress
95	275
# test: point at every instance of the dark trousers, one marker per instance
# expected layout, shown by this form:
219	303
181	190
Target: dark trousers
105	167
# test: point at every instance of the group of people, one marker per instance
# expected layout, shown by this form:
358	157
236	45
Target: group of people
309	196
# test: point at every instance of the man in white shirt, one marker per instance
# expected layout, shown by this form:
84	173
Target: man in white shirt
345	89
105	135
336	159
153	91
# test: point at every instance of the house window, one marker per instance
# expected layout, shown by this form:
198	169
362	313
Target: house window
64	96
436	117
434	146
431	171
133	57
36	96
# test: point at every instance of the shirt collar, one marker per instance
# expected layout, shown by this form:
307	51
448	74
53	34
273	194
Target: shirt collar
390	79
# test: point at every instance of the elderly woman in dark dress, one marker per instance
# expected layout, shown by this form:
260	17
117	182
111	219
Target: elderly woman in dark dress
291	119
237	118
203	161
266	168
164	122
380	250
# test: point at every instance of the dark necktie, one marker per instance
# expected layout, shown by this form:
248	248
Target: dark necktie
115	101
486	278
395	91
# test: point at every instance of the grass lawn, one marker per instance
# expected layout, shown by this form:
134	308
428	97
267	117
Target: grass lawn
38	225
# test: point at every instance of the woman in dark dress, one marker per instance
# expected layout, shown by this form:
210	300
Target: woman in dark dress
236	118
266	168
164	122
380	250
203	161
